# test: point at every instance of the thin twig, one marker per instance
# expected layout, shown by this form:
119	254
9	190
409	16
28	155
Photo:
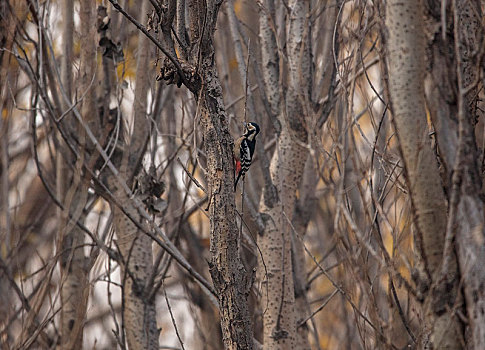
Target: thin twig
197	183
173	319
319	308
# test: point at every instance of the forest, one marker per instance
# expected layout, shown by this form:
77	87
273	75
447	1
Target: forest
355	130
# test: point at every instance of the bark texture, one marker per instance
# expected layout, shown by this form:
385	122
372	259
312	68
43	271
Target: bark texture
231	280
286	169
278	295
405	46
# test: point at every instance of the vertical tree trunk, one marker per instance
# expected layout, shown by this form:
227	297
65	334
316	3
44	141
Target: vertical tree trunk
304	208
453	111
286	169
440	83
73	263
466	191
405	45
278	296
136	247
231	280
9	73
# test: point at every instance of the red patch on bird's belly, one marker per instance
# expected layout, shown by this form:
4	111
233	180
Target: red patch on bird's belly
238	166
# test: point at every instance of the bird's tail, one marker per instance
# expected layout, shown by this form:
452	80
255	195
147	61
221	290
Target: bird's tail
235	182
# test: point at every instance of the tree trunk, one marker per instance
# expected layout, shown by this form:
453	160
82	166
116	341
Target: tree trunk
466	193
231	280
453	112
135	247
405	45
73	262
286	169
278	295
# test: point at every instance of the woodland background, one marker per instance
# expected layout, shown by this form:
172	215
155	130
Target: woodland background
360	224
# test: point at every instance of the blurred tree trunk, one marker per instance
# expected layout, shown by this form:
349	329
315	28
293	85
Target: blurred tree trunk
304	208
208	320
9	73
405	45
139	314
440	83
208	333
454	115
466	198
70	187
306	204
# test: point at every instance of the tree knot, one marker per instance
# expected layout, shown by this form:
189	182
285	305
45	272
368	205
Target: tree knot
172	75
279	333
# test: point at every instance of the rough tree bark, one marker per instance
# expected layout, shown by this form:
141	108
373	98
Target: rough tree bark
231	280
405	61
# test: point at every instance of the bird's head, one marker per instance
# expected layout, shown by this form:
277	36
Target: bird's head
252	129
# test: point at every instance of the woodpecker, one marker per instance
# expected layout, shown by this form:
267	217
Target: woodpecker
244	150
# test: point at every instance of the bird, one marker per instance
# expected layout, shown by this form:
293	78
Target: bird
244	149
